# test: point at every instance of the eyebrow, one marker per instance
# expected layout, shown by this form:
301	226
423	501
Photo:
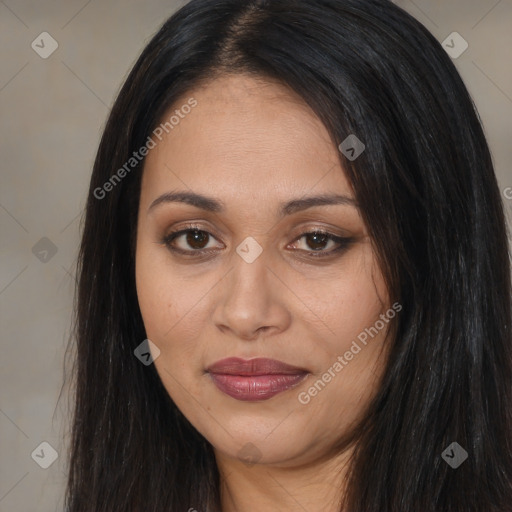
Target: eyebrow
211	204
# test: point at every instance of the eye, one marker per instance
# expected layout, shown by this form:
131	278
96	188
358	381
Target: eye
192	237
318	240
195	241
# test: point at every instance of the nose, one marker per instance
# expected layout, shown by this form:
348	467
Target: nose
252	301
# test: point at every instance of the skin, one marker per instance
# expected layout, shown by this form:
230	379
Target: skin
253	144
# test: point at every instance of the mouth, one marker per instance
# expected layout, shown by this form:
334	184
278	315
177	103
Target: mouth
254	379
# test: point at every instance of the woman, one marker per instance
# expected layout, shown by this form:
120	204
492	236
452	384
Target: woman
294	285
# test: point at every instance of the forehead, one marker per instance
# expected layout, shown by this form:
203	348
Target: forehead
245	134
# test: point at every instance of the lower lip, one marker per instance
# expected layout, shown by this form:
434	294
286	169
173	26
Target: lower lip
252	388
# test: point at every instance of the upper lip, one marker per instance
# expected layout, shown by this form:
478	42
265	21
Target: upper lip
256	366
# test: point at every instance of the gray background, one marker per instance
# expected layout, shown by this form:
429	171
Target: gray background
53	111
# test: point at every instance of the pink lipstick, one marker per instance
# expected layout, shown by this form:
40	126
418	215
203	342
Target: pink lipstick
254	379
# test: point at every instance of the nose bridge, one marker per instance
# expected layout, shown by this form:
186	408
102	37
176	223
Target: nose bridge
249	279
249	301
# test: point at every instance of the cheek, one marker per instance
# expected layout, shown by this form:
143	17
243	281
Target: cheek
355	298
353	309
170	304
173	318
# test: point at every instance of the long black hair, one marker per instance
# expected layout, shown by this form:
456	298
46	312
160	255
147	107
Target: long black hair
427	191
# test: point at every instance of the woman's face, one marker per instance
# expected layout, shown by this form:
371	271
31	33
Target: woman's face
251	283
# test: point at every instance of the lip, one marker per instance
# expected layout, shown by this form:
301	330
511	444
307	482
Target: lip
254	379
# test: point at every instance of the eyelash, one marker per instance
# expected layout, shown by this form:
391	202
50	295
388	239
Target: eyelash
344	242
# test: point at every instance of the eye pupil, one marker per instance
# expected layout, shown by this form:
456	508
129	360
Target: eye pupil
195	236
318	238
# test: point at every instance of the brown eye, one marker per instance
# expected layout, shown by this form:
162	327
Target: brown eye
194	242
197	239
191	241
316	241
